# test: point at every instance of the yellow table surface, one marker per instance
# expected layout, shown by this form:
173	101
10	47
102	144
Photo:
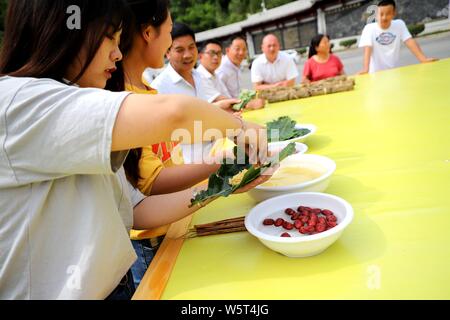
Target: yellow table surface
390	139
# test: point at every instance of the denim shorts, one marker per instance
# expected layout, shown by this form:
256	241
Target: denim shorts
145	251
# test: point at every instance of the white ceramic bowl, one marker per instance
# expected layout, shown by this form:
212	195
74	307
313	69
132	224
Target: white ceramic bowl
300	148
320	184
298	246
310	127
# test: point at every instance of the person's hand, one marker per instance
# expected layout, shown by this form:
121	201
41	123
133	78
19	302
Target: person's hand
279	84
306	81
255	138
428	60
261	180
237	114
256	104
362	72
253	184
227	104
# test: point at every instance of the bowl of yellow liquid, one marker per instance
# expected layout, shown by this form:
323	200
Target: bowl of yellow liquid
297	173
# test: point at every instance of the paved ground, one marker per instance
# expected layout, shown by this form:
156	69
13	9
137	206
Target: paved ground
437	46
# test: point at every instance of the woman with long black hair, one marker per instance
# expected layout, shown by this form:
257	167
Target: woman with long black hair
66	212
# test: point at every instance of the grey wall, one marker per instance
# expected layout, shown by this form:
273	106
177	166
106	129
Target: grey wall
351	21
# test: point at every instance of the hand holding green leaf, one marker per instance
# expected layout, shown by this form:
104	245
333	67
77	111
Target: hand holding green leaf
233	177
246	96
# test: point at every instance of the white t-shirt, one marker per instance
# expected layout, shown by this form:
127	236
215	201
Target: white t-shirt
65	206
230	76
212	80
385	44
170	82
282	69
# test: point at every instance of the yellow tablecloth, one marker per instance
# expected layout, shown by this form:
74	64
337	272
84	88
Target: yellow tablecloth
391	141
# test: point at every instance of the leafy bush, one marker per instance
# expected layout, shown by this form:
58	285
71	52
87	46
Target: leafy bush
416	29
302	51
348	43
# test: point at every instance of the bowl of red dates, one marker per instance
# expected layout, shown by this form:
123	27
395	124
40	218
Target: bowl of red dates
300	225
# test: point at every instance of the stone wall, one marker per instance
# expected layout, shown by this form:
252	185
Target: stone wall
347	21
295	36
350	21
414	11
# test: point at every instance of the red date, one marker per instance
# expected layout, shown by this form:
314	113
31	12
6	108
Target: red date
279	222
308	221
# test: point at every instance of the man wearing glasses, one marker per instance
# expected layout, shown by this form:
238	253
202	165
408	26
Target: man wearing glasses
210	60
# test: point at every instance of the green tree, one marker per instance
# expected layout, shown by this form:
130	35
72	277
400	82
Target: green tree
201	16
198	15
209	14
276	3
237	10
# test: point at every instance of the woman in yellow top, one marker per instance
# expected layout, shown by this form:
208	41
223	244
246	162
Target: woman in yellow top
144	44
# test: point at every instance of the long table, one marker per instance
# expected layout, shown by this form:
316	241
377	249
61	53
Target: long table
390	138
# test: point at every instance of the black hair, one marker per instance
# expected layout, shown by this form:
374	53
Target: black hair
144	13
385	3
180	30
236	37
212	41
39	43
315	42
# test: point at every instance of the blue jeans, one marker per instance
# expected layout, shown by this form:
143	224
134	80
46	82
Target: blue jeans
145	254
125	290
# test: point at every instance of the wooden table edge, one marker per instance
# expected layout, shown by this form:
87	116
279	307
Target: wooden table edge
155	279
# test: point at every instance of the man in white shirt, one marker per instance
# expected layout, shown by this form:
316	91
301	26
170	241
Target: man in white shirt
229	72
210	60
180	77
382	40
273	68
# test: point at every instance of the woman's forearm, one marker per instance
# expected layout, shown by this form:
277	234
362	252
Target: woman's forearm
156	211
262	86
148	119
178	178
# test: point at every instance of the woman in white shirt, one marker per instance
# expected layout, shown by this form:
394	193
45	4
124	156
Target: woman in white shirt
65	209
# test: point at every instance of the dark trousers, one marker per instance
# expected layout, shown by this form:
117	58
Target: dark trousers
125	290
